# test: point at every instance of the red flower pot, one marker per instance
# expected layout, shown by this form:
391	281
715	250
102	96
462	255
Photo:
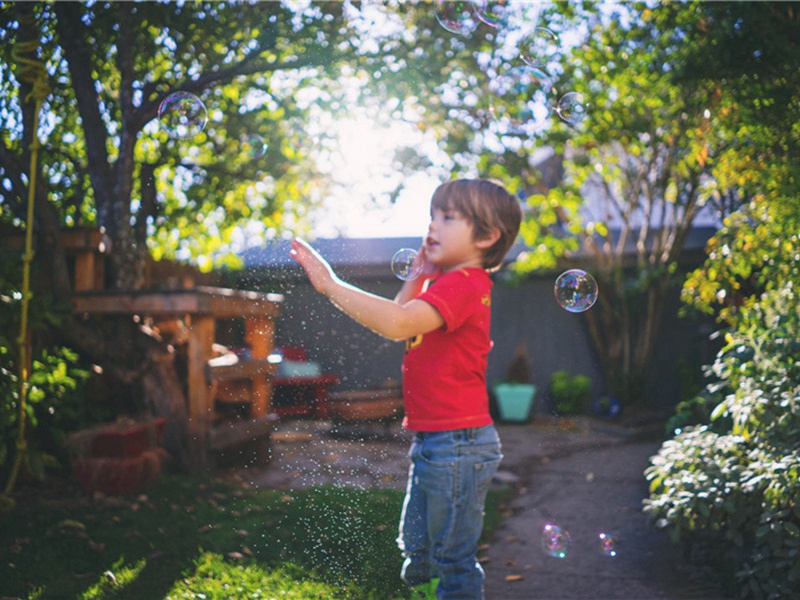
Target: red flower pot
120	458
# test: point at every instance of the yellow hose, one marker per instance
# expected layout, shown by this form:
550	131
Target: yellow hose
34	72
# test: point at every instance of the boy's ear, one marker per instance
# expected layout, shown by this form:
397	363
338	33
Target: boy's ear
489	239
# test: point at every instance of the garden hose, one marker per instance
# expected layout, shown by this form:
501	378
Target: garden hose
34	72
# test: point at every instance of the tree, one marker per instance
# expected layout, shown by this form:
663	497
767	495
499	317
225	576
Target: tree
753	55
262	69
644	157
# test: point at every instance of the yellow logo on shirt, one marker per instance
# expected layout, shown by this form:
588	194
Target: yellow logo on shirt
412	343
486	300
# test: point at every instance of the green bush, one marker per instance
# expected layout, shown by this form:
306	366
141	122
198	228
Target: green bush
570	393
736	489
55	403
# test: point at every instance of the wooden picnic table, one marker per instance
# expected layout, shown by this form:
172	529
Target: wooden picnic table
200	308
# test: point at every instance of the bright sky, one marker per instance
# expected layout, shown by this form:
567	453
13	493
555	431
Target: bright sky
363	163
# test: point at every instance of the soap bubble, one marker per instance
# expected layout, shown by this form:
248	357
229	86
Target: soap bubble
405	265
576	290
183	115
555	541
540	49
519	103
493	12
572	108
456	17
607	544
254	145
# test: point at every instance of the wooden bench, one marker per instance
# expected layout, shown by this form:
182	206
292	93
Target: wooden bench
303	396
200	308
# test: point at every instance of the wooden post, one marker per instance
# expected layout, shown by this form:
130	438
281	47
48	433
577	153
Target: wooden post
259	335
201	338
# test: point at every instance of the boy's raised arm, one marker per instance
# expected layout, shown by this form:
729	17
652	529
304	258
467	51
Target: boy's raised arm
392	319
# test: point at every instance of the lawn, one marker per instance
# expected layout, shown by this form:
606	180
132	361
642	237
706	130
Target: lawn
214	539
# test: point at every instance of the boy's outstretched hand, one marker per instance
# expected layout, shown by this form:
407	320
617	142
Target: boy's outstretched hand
318	270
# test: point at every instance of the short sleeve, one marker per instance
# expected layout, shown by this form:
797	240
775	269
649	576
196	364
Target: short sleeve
457	295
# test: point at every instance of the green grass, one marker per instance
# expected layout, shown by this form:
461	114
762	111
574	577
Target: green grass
190	538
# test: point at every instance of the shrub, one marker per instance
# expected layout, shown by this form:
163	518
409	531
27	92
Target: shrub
570	393
736	489
55	402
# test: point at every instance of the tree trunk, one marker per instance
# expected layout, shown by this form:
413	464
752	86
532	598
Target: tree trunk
165	397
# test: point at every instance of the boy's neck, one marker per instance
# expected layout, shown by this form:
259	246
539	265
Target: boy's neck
467	264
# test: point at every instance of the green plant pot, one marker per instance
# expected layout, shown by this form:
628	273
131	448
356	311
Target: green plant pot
515	400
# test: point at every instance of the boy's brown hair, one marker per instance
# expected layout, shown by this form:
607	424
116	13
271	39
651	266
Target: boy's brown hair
487	205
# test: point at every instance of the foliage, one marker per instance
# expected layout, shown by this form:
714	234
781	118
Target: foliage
220	538
757	249
637	174
737	488
570	393
55	407
55	402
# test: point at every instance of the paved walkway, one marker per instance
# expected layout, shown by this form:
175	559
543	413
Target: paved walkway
585	477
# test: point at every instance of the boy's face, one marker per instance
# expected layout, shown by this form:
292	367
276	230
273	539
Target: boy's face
450	243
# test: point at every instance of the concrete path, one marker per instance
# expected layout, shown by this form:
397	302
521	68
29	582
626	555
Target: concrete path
585	476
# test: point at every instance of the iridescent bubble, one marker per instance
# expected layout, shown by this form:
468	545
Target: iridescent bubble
456	17
182	114
520	100
576	290
607	544
254	145
540	48
493	12
555	541
405	265
572	108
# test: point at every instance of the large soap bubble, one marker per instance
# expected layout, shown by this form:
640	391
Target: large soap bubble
405	265
182	115
520	100
576	290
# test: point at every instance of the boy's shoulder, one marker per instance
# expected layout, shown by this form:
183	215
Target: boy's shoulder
463	281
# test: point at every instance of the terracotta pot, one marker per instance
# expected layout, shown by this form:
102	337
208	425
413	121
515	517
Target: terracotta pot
128	476
118	440
118	458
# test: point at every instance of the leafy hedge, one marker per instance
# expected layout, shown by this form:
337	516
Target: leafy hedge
735	489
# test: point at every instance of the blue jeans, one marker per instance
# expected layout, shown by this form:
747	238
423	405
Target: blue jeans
442	514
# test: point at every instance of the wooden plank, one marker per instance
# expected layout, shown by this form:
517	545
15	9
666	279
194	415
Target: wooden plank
201	338
218	302
225	303
238	433
260	334
244	369
364	395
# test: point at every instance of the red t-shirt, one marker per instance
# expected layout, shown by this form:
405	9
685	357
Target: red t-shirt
444	371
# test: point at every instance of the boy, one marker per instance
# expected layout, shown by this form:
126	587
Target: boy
443	316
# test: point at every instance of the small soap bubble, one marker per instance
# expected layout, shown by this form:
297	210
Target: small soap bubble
540	48
456	17
608	544
405	265
254	145
576	290
493	12
519	100
182	115
555	541
572	108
